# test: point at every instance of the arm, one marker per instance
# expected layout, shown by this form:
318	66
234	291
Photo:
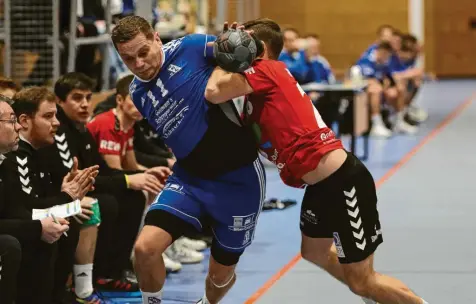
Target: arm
113	161
223	86
130	162
24	230
18	193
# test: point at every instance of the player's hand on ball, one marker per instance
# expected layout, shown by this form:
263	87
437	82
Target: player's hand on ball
235	49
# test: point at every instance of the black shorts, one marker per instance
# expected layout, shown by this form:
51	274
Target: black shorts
344	207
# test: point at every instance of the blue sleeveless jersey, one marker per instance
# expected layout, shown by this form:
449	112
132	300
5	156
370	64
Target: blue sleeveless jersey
173	102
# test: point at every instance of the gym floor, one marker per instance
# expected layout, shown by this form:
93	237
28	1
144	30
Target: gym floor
425	208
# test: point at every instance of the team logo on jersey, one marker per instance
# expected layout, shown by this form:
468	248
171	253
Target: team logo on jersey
173	69
241	223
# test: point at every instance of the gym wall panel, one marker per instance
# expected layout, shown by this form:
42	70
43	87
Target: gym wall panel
346	27
450	37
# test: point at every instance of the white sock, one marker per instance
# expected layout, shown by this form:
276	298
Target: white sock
377	119
83	280
152	297
400	116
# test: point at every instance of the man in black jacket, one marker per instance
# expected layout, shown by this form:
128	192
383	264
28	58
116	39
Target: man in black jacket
29	187
73	92
17	232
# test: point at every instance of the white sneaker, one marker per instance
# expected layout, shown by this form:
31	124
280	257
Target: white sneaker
405	128
184	255
417	114
171	265
380	131
196	245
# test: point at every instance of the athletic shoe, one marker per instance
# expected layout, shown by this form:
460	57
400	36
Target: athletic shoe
92	299
116	285
276	204
380	131
184	255
171	266
417	114
130	276
196	245
404	127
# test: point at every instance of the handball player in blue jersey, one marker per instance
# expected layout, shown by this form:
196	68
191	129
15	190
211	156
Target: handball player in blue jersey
217	176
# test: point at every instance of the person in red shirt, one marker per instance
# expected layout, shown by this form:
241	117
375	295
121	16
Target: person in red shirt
339	217
114	130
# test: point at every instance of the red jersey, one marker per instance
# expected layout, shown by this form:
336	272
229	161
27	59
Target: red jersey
108	135
290	130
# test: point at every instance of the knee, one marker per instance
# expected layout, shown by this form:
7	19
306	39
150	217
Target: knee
151	243
11	243
144	249
375	89
360	285
392	93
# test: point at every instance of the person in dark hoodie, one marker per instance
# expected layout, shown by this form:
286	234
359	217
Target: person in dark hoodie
45	267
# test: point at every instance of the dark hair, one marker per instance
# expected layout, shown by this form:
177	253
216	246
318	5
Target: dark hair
27	101
384	45
383	27
397	33
72	81
406	47
129	27
122	85
409	38
315	36
291	29
7	83
269	32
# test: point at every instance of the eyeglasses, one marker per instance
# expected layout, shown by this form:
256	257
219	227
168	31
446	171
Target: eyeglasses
13	120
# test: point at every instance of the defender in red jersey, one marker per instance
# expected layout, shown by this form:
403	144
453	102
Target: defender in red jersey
291	132
339	217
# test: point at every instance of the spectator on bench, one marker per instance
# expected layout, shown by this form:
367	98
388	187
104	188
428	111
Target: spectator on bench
30	187
296	59
116	190
374	67
12	231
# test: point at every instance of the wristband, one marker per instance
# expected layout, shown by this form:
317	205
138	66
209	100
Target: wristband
127	180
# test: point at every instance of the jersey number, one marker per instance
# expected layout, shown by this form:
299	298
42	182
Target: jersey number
320	123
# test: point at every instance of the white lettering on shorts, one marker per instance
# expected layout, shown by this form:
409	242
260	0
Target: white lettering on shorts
338	244
241	223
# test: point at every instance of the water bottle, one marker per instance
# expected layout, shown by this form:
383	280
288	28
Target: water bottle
356	75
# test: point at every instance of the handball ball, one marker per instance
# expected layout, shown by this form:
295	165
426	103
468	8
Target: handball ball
235	50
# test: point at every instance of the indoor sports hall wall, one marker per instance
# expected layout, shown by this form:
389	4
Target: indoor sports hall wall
345	27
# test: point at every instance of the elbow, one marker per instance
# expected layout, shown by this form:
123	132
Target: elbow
211	94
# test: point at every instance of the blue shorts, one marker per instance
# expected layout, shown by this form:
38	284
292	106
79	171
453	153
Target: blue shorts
233	202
